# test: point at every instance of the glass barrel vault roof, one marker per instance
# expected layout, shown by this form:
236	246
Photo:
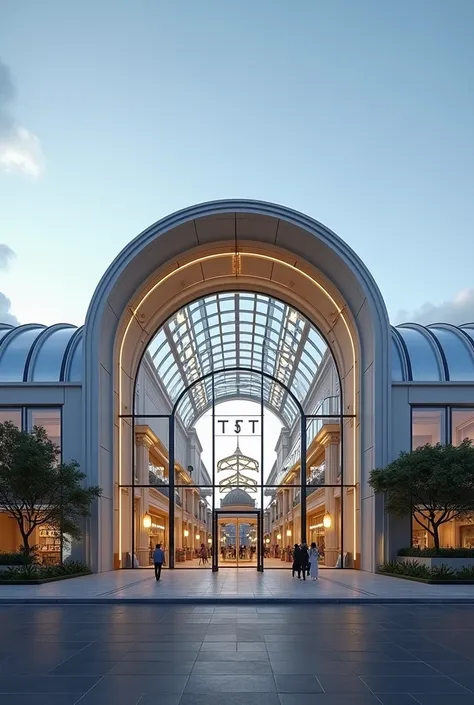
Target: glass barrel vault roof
248	331
225	331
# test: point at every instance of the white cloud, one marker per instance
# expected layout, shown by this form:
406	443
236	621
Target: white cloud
5	314
457	311
20	149
6	255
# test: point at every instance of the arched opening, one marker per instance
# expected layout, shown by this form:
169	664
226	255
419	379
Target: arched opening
239	393
238	246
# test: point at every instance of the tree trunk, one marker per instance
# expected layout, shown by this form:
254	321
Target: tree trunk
436	537
26	544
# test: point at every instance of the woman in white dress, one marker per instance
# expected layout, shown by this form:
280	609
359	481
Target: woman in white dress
313	558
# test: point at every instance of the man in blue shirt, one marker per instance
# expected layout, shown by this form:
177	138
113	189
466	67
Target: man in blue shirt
158	560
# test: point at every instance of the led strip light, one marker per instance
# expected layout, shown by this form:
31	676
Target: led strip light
230	255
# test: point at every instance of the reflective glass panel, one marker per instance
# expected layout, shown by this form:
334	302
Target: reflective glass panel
428	426
13	415
49	419
462	425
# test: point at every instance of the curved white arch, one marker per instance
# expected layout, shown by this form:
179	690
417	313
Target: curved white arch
285	251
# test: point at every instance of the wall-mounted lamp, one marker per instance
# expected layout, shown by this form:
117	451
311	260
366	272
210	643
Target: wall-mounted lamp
327	521
267	540
198	536
209	540
288	532
186	533
190	469
147	521
279	537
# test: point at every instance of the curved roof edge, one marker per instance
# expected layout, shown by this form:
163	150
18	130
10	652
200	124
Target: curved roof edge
439	352
42	354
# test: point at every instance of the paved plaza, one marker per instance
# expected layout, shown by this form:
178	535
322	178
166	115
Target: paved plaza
238	585
237	655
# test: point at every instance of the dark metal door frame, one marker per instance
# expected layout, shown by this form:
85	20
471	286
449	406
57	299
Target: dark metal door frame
237	514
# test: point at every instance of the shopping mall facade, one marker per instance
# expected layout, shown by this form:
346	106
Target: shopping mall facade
249	303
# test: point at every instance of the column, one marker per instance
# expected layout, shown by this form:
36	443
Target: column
142	539
332	549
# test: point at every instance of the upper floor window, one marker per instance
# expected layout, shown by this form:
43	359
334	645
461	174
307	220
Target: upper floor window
428	426
462	425
13	415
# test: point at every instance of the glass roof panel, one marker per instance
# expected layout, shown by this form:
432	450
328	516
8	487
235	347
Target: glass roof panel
245	330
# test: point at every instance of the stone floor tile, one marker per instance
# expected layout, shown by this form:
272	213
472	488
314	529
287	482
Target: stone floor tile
230	684
412	684
226	699
108	685
299	683
393	668
244	668
334	699
47	684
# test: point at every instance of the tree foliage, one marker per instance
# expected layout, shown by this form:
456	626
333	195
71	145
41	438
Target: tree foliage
434	484
36	489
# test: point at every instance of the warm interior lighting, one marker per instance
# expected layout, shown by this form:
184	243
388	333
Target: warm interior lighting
209	540
181	318
327	521
236	264
288	532
186	533
278	537
198	536
147	521
267	540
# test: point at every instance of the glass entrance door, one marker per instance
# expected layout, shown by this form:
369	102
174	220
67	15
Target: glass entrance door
238	540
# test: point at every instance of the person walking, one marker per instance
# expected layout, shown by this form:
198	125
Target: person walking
296	568
304	560
203	555
313	561
158	560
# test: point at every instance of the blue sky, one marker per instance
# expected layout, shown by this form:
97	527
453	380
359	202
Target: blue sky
359	113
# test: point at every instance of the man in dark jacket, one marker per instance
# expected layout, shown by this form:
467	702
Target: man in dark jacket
158	560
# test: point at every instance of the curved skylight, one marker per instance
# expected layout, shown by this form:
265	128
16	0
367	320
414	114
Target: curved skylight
248	331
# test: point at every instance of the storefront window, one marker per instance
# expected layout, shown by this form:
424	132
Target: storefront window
462	424
428	426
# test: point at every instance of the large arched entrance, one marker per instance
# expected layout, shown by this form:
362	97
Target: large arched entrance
239	246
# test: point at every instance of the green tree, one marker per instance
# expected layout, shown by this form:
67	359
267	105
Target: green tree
36	489
434	484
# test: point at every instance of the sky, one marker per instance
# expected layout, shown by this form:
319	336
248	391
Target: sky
114	114
249	443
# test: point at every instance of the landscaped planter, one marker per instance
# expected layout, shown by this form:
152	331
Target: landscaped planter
427	581
40	581
436	562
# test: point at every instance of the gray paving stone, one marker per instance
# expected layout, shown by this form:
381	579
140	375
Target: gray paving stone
230	684
436	699
226	699
297	684
412	684
324	699
393	668
244	668
47	684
